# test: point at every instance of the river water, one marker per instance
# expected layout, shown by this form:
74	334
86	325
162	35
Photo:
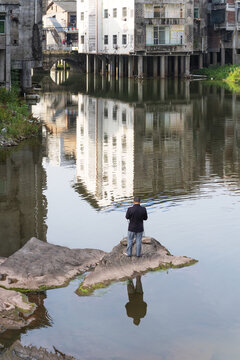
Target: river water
177	145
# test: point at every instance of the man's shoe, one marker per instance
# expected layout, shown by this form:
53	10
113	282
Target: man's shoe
126	254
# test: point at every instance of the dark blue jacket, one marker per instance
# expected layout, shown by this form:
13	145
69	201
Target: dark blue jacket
136	214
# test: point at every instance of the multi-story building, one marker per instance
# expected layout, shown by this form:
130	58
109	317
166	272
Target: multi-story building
223	32
6	28
20	38
156	36
60	24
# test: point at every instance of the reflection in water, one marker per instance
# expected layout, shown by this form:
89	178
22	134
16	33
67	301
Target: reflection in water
39	319
151	139
136	308
59	76
58	111
23	206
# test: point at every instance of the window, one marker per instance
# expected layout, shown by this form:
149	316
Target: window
82	15
124	39
196	13
159	35
105	113
114	39
2	24
105	13
82	39
124	117
124	12
159	11
115	12
105	39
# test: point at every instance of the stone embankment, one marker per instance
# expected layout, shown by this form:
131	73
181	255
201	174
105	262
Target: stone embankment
116	266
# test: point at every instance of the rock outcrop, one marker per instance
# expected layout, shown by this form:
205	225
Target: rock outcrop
38	266
14	310
116	266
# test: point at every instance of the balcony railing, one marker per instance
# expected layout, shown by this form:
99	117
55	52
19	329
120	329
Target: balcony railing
165	21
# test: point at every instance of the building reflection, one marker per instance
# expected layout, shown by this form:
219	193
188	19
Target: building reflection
23	206
136	308
161	145
58	111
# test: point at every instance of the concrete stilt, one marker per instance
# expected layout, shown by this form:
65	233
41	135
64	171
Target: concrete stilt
163	67
95	65
155	66
187	66
175	66
140	66
130	66
103	65
162	89
208	59
200	61
166	65
222	54
140	91
214	58
88	64
113	66
145	66
182	65
120	66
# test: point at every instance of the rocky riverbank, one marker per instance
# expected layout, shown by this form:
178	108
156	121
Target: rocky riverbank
16	121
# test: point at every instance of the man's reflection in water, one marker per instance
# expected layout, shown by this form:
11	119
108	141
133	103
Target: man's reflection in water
136	308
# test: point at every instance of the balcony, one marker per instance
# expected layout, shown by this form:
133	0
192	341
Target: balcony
165	21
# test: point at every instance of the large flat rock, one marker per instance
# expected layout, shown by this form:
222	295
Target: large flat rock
39	265
15	310
116	266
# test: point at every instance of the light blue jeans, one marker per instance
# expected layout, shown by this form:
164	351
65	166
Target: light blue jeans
131	236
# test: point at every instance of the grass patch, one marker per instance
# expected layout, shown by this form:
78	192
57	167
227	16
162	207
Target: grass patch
16	122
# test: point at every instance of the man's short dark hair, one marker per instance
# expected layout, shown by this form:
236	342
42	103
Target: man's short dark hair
136	199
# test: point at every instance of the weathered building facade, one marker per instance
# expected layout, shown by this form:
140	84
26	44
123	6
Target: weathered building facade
20	38
6	11
141	37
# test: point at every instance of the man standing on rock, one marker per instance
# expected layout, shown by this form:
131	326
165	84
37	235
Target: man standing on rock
136	214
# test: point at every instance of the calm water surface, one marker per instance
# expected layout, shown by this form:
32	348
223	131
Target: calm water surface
177	145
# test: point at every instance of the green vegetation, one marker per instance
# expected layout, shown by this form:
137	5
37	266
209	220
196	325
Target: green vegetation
16	122
227	76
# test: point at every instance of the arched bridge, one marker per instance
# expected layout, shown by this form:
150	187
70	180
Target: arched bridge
51	57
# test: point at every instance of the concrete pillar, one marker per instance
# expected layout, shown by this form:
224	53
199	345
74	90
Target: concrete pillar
175	66
187	65
200	61
162	89
208	59
166	65
120	84
222	54
88	64
155	66
163	67
130	66
26	81
182	65
214	58
113	66
103	65
95	68
145	66
140	91
120	66
130	87
140	66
